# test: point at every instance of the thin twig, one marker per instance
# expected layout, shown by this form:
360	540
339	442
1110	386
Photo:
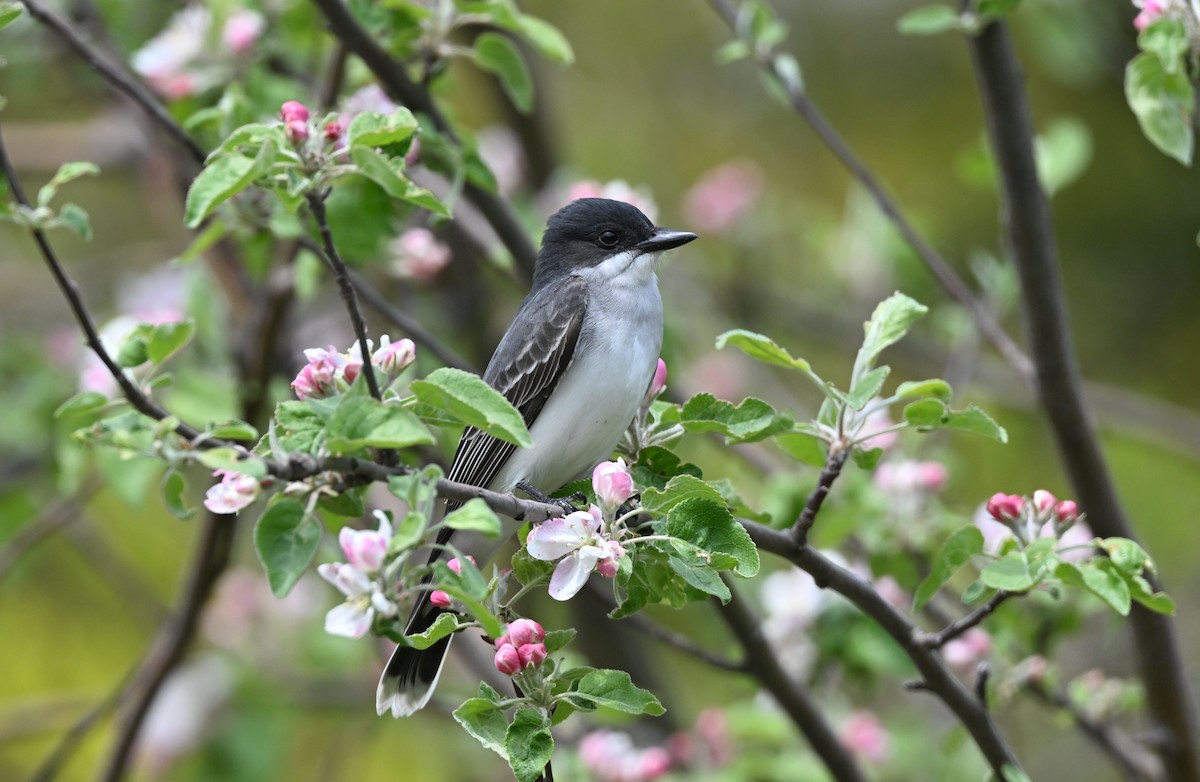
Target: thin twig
763	663
936	676
121	80
143	403
400	88
53	518
316	205
1029	235
1136	762
937	265
959	626
829	473
73	737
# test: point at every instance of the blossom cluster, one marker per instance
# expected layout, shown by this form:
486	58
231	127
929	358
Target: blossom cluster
1041	515
585	540
360	579
611	756
181	61
439	597
522	646
329	372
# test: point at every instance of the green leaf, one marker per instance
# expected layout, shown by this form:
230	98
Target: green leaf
486	722
657	465
917	389
466	398
496	54
750	421
1166	38
867	387
762	348
1013	773
1103	579
890	321
963	544
74	218
529	744
1010	573
975	592
286	538
1127	555
476	516
173	488
232	459
380	130
363	422
408	532
546	38
445	624
679	489
9	12
866	458
803	447
222	179
1063	153
929	20
232	430
933	414
558	639
698	572
709	525
1140	590
166	339
1163	103
995	9
612	689
66	172
83	402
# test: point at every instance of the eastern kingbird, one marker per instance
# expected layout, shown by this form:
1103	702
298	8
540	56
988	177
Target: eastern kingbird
576	361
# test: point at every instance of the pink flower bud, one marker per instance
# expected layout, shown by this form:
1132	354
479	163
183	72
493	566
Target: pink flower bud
507	660
522	632
1043	501
439	598
532	655
242	30
1067	510
456	566
297	131
394	357
351	370
332	131
607	567
612	483
659	381
654	763
1151	10
293	111
1004	507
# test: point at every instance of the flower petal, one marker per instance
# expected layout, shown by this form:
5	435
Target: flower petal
570	575
558	537
350	619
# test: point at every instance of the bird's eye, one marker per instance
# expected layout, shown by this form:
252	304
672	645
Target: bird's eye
608	238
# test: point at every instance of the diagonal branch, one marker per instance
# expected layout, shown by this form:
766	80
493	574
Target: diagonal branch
829	473
959	626
951	283
937	678
1029	234
763	663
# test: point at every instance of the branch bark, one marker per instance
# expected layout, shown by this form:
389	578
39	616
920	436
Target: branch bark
1029	235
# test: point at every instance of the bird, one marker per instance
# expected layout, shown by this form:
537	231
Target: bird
576	362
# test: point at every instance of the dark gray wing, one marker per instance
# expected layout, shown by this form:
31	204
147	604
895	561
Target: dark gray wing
526	367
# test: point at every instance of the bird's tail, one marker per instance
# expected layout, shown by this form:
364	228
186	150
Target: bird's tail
411	675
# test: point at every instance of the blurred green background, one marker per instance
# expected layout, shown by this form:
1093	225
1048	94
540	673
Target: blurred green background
645	103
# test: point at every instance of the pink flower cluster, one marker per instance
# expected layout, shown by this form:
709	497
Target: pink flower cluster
234	491
329	372
908	476
1008	508
438	597
359	579
520	647
1043	515
611	756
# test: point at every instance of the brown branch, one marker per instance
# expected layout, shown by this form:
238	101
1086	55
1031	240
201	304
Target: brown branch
316	205
950	282
829	473
117	77
400	88
1029	234
74	735
763	663
937	678
959	626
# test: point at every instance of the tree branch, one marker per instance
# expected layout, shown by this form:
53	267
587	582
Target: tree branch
117	77
400	88
950	282
763	664
829	473
937	677
959	626
1029	234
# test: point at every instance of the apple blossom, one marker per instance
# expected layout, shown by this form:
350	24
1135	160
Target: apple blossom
610	756
907	476
440	598
658	383
293	111
520	647
366	549
723	195
1067	510
863	734
532	655
522	632
612	484
394	357
419	255
1044	501
965	652
1005	507
241	30
508	660
364	599
1007	516
579	542
318	379
1150	10
235	491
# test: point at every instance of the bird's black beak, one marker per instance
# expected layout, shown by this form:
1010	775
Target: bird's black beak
665	239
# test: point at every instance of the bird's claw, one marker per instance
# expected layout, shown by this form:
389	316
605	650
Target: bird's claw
566	503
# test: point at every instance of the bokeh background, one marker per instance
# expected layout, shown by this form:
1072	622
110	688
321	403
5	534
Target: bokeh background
806	262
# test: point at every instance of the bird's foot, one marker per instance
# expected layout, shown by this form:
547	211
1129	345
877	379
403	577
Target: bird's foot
566	503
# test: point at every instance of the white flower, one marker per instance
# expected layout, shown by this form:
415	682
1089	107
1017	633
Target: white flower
366	549
578	540
364	599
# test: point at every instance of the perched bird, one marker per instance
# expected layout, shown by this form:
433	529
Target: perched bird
576	362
